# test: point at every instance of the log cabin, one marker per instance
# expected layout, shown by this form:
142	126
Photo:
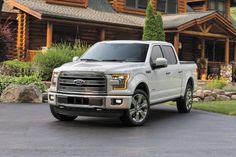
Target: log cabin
197	28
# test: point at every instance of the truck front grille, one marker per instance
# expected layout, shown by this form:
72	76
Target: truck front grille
82	83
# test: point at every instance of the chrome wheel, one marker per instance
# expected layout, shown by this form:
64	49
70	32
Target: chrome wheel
189	98
139	108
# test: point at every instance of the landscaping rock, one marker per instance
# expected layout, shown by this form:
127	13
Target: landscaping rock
222	98
229	94
21	94
207	93
197	99
209	98
198	94
233	97
219	91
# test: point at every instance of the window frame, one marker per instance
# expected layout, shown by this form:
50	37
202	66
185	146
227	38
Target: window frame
216	8
150	60
166	7
136	7
176	60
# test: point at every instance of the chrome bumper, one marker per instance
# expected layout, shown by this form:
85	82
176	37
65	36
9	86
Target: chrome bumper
107	101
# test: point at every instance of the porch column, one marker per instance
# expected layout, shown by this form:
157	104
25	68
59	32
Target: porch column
227	50
203	47
176	42
235	53
49	34
102	34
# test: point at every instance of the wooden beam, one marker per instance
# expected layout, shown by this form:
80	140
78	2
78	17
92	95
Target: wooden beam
234	53
102	34
211	35
203	47
208	28
49	34
227	50
176	42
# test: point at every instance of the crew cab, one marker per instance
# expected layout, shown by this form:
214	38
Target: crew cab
123	79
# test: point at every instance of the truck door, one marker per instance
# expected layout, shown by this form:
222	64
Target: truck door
173	72
157	77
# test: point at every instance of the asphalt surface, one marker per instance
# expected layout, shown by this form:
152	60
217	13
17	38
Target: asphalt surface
29	130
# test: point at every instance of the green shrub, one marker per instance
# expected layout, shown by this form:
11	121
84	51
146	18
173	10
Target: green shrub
56	56
22	80
16	68
217	84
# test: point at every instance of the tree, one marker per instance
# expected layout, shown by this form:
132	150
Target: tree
153	28
159	28
149	30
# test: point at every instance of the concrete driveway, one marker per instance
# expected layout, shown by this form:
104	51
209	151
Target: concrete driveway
29	130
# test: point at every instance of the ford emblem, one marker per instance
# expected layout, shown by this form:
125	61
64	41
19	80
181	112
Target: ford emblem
79	82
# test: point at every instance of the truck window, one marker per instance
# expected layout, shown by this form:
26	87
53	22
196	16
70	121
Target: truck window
169	54
117	52
156	53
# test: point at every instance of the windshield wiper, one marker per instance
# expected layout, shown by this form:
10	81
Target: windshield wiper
113	60
89	59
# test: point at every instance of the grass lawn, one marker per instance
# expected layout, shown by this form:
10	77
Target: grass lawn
224	107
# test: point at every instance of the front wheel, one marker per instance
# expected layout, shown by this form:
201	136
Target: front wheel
139	110
60	116
184	104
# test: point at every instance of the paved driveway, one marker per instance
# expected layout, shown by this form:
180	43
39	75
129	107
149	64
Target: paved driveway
28	130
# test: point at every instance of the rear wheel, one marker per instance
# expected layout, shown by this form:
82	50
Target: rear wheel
59	116
184	104
139	110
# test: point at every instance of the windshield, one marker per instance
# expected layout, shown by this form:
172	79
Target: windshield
117	52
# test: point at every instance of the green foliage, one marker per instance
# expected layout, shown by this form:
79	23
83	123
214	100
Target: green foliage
217	84
153	29
233	12
159	28
225	107
16	68
56	56
22	80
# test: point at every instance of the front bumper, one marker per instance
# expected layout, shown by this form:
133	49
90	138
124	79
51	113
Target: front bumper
78	101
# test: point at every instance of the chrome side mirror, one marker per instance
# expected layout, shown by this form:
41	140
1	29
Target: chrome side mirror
161	63
76	58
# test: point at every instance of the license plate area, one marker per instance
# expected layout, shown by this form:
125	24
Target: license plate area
80	100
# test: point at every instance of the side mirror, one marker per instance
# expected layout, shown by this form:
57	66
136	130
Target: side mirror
161	63
76	58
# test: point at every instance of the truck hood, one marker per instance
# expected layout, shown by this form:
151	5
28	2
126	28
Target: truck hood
106	67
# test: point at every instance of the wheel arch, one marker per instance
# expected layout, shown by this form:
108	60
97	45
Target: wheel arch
143	86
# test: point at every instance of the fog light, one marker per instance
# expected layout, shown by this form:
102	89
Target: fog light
116	101
51	97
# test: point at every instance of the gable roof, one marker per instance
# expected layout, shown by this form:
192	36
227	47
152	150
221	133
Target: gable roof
100	11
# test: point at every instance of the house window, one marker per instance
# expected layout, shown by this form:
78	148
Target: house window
167	6
219	5
139	4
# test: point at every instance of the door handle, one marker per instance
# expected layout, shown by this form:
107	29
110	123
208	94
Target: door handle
168	73
180	72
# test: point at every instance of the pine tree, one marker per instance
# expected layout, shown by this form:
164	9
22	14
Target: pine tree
150	24
159	27
153	29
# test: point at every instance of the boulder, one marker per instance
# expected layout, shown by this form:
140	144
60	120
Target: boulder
219	91
222	98
207	93
198	94
233	97
197	99
209	98
21	94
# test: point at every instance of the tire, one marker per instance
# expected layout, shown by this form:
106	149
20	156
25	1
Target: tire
184	104
60	116
139	110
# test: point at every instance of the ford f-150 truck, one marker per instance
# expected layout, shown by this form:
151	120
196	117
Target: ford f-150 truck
123	79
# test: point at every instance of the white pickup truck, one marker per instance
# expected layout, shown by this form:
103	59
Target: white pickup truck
123	79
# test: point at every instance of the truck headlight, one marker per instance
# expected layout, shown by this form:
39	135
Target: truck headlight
54	79
120	81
